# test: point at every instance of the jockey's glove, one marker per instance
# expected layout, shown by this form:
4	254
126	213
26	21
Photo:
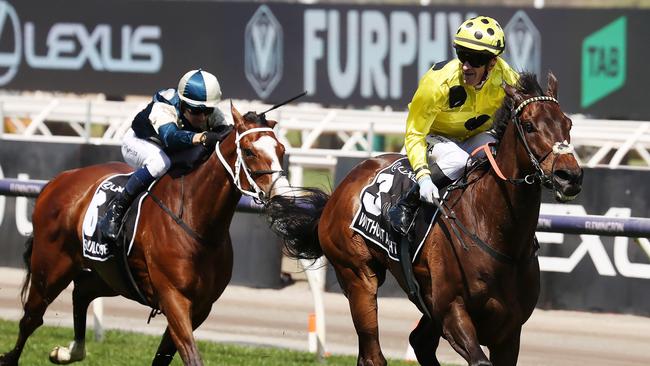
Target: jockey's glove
428	190
210	138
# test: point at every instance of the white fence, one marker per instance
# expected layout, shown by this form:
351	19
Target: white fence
303	129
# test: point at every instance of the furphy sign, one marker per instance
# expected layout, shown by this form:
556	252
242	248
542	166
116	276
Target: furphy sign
366	52
71	46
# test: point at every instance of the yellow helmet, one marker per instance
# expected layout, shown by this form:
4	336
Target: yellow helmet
482	34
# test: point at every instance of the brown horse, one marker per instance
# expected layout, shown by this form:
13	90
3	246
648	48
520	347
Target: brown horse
177	273
478	290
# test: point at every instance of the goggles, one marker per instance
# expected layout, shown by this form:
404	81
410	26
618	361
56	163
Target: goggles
475	59
199	110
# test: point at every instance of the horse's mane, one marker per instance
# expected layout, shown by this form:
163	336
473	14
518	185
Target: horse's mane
528	85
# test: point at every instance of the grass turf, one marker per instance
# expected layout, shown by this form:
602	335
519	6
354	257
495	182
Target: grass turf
126	348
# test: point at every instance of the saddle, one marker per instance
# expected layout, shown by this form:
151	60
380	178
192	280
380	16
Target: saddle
109	259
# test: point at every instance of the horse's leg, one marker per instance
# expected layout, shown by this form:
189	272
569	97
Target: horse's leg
424	339
87	287
50	274
176	308
506	353
360	287
459	330
167	349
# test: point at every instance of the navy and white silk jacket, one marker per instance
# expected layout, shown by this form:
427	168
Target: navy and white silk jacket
162	122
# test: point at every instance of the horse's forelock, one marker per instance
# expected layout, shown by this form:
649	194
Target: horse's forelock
528	85
259	119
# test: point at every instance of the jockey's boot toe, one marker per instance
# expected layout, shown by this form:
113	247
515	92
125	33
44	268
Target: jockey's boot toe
400	216
110	224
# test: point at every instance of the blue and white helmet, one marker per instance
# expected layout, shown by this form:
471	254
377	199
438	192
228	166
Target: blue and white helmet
199	88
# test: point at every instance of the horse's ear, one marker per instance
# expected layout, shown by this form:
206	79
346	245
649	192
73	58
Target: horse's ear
551	88
512	92
236	117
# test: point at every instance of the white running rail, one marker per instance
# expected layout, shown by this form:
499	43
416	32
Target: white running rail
314	136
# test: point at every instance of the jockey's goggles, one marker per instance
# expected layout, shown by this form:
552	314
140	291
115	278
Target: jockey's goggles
474	58
199	110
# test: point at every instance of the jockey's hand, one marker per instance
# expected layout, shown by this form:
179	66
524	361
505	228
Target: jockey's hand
428	190
210	138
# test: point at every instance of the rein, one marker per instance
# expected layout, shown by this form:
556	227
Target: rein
240	165
177	219
559	148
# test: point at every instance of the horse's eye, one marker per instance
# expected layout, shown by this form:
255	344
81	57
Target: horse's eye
248	153
529	127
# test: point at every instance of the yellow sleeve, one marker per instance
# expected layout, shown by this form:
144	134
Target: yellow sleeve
422	111
510	76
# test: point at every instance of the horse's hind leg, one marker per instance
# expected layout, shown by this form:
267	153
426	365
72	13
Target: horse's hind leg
87	287
424	339
48	274
360	287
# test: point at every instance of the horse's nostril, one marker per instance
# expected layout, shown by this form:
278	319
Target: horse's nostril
563	175
568	176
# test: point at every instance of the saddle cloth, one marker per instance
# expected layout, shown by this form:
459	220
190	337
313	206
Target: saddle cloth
94	246
376	198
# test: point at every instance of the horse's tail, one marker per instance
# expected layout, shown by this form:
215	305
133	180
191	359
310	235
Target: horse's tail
27	258
295	220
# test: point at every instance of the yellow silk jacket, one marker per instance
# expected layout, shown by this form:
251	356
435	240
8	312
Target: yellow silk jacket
442	105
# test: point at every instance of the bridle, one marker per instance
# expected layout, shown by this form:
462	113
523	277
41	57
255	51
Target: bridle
559	148
240	165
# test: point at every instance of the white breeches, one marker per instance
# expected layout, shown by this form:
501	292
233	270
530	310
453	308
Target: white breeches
451	155
138	153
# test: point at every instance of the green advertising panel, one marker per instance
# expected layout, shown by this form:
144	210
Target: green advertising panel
603	62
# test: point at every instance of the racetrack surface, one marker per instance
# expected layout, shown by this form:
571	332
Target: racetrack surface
279	318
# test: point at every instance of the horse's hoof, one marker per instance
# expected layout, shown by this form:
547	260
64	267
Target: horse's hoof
61	355
5	360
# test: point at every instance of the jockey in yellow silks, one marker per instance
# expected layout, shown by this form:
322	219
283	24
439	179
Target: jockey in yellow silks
452	112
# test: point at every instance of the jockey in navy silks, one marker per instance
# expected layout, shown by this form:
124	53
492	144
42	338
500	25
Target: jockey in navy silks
176	119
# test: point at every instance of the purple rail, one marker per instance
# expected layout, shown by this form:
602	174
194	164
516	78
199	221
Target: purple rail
637	227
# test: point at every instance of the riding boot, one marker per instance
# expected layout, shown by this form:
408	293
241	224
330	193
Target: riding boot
402	213
112	221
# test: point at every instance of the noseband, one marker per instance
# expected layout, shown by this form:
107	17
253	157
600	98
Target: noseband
559	148
240	165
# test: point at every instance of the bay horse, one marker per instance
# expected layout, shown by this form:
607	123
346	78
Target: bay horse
178	274
479	285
